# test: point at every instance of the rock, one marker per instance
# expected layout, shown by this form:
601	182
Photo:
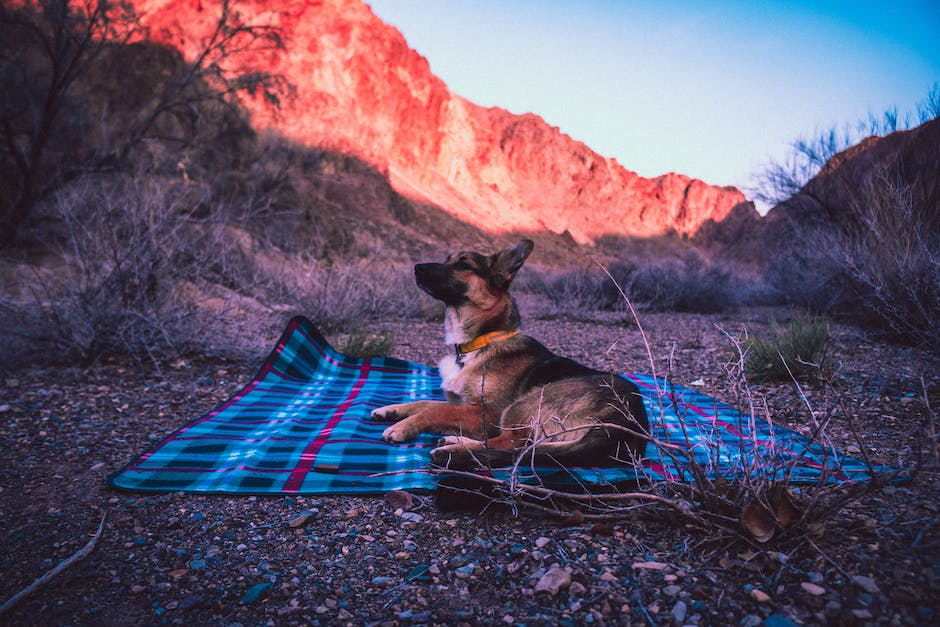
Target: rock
866	583
254	593
301	519
760	596
862	614
649	566
381	580
554	580
399	499
778	620
671	591
465	571
609	576
412	517
576	589
541	542
813	589
679	610
192	602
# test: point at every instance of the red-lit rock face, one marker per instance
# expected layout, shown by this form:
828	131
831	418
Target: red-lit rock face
361	89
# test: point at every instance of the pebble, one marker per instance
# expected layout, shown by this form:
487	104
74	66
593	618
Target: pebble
679	610
256	592
813	589
301	519
649	565
576	589
862	614
778	620
554	580
412	517
541	542
760	596
465	571
399	499
672	591
866	583
192	602
381	580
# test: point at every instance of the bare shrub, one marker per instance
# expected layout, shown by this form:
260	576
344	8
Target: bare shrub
686	282
891	248
137	262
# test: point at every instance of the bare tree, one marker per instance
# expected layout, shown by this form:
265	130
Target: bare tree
49	47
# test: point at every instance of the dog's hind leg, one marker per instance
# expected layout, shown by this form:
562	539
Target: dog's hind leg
459	452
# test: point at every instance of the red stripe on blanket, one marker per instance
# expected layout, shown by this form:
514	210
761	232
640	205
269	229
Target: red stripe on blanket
296	479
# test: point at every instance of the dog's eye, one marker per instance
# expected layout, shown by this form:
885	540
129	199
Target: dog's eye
460	264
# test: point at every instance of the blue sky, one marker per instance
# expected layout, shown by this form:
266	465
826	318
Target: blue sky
709	89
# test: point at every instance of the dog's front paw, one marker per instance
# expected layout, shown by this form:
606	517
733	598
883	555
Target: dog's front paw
398	433
389	413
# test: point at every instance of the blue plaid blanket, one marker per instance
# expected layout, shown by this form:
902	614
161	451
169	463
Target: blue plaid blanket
302	426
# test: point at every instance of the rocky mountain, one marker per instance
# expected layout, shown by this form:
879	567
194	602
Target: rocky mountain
361	90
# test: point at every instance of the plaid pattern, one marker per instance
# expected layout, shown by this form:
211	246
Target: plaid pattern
302	426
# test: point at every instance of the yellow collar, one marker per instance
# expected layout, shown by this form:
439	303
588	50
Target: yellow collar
483	340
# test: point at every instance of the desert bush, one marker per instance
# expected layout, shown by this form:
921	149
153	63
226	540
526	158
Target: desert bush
797	350
685	282
891	249
132	255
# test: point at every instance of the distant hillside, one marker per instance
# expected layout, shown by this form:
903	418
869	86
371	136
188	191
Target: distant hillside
361	90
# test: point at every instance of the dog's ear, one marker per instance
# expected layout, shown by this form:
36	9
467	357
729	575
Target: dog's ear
506	263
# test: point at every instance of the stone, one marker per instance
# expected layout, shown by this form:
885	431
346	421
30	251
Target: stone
813	589
554	580
254	593
866	583
649	566
679	610
760	596
399	499
301	519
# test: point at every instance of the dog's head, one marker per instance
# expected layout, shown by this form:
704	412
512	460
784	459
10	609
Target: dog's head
472	278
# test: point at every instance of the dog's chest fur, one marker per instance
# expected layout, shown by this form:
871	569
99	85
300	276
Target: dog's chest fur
450	374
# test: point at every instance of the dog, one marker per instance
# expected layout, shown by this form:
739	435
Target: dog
508	395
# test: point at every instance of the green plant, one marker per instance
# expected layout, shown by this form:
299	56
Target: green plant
362	343
797	350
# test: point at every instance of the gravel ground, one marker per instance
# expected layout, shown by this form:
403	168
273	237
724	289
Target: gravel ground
187	559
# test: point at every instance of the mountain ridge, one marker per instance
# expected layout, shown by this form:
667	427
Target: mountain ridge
361	89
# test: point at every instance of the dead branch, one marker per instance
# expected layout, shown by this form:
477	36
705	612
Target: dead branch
79	555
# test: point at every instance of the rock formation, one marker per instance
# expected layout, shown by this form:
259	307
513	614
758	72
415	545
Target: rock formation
360	89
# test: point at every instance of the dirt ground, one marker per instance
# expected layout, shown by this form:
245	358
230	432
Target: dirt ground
188	559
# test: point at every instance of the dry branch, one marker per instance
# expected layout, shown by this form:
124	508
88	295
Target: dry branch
79	555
